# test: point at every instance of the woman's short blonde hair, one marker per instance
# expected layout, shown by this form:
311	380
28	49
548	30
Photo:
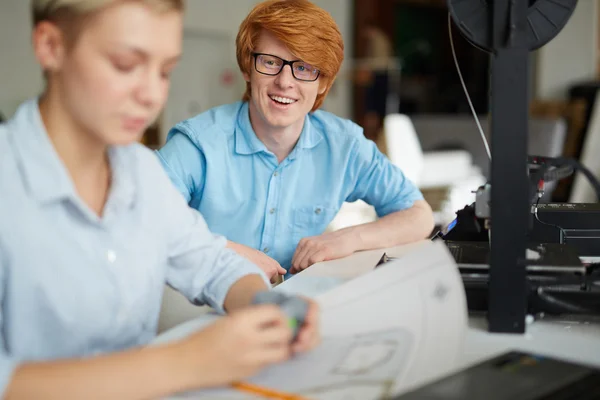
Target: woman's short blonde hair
53	10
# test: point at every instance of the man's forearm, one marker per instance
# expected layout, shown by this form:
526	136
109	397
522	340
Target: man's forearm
151	372
242	292
401	227
239	248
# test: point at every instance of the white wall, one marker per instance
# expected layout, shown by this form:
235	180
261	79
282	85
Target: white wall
20	77
571	56
218	15
339	100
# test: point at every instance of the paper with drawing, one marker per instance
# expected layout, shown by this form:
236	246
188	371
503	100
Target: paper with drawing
384	332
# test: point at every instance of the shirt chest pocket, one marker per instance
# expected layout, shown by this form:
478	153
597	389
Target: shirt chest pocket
311	220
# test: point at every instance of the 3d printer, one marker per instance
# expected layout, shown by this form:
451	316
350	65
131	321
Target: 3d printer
506	214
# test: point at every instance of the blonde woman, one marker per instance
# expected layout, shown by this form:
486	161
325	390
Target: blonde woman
91	227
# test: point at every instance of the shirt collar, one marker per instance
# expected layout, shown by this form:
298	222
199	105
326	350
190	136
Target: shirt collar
246	141
46	177
123	188
310	136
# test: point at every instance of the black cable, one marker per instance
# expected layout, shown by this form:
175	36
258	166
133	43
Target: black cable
563	234
559	306
583	169
547	296
546	162
593	269
583	282
558	173
548	173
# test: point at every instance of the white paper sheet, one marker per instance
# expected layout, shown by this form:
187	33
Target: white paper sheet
385	332
309	285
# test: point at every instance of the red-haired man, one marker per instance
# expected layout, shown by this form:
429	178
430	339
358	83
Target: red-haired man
271	172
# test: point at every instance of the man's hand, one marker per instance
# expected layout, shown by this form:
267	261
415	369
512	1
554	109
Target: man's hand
400	227
266	263
328	246
270	267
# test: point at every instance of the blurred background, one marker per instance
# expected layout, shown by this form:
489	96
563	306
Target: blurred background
398	81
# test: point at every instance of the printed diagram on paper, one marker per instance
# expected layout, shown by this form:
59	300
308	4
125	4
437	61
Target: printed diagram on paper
352	367
343	368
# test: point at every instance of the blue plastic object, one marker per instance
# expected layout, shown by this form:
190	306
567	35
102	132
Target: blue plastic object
294	307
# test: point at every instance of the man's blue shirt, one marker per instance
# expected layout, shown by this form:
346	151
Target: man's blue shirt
222	169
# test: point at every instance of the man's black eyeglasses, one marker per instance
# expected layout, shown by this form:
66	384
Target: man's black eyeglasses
268	64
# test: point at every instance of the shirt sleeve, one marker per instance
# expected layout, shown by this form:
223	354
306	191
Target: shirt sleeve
7	363
184	163
201	267
378	182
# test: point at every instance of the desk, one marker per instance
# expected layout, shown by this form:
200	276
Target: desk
574	340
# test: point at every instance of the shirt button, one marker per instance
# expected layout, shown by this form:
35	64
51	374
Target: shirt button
111	256
266	250
318	211
275	173
272	211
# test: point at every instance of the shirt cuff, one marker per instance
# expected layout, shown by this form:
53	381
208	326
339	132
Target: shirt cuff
237	268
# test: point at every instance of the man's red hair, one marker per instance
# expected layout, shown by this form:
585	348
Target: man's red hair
308	31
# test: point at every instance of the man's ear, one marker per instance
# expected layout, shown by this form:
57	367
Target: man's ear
49	46
323	85
246	76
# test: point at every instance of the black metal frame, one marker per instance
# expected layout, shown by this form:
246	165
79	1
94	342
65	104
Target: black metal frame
510	184
509	29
